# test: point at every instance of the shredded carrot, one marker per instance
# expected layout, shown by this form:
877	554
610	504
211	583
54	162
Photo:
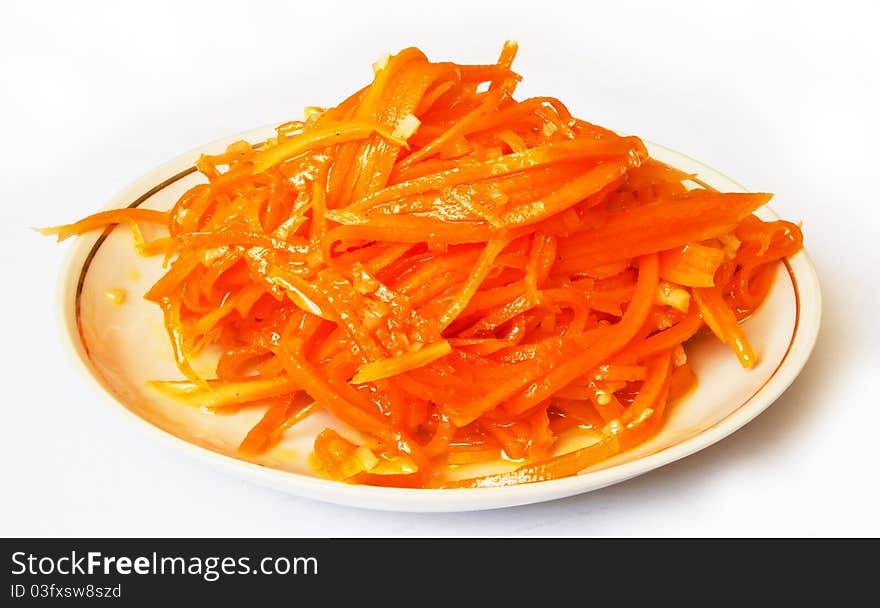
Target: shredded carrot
386	368
458	277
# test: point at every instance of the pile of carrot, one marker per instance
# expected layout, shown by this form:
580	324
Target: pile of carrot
456	276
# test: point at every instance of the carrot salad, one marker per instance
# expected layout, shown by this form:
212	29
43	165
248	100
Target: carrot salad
457	276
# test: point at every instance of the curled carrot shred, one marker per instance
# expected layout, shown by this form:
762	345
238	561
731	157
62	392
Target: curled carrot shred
457	276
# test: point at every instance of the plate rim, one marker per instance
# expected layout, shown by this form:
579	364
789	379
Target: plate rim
801	271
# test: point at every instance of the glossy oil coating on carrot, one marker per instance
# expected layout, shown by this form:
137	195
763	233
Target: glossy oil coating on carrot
457	276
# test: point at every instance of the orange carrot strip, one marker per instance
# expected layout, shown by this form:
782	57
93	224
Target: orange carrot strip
723	323
658	226
640	419
329	135
454	275
621	333
385	368
107	218
478	275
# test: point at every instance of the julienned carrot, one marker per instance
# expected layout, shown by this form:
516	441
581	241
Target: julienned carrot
386	368
456	276
659	225
105	218
635	425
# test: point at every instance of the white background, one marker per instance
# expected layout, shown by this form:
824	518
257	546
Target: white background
780	96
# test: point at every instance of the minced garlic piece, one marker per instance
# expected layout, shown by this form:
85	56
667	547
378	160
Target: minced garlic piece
670	294
406	127
380	63
548	129
310	111
679	357
116	296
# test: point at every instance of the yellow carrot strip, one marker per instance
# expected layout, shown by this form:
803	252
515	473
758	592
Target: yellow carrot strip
225	393
319	203
693	265
393	366
174	327
104	219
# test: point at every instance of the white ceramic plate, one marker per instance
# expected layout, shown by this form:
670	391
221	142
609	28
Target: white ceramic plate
121	347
